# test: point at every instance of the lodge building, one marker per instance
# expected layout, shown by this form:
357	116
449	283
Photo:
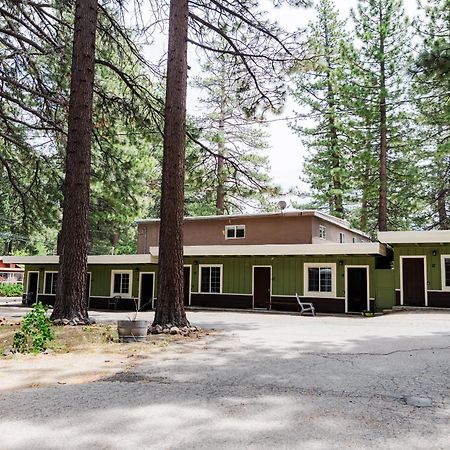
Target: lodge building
261	261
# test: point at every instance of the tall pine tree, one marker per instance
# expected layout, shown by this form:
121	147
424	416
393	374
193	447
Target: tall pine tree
379	73
320	85
432	93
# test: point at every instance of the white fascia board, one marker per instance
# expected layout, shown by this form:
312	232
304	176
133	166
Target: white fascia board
50	259
370	248
414	237
121	259
92	259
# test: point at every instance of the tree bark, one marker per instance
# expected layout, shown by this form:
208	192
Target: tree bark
382	201
442	193
170	304
337	198
220	191
70	300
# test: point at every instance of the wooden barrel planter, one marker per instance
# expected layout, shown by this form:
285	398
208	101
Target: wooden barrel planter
132	330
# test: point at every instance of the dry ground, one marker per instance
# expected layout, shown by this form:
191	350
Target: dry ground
76	355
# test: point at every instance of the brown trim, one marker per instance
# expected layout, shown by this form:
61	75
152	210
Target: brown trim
438	299
222	300
124	304
48	300
322	305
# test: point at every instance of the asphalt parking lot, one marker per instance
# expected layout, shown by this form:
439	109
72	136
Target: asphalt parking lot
261	381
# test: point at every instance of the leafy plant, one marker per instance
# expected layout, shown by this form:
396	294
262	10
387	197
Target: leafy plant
35	332
10	290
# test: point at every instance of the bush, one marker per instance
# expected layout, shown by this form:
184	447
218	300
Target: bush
11	290
35	332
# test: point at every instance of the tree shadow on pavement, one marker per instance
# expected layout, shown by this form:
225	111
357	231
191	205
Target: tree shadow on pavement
236	391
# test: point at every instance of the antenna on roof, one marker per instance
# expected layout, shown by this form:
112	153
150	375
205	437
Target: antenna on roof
282	205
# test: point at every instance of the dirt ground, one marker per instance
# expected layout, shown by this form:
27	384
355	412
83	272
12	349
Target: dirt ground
261	381
76	355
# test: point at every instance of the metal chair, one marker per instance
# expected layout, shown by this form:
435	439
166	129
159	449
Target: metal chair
113	302
305	307
27	298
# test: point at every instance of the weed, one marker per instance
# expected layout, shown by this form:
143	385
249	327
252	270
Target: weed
35	332
10	290
108	334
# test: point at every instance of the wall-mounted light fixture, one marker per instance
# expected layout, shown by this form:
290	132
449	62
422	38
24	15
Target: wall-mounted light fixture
341	263
434	252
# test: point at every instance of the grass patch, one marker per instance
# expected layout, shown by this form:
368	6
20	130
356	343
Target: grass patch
92	338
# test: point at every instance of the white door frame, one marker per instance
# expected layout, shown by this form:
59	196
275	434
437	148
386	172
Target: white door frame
28	283
140	287
190	281
367	267
424	275
253	283
89	289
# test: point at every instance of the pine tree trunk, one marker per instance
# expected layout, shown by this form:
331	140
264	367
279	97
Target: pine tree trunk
170	304
220	191
442	193
221	175
444	222
364	200
337	200
382	201
70	300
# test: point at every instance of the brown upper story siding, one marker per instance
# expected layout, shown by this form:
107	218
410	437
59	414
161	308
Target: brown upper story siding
332	233
288	228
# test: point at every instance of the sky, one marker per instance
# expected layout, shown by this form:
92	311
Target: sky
286	152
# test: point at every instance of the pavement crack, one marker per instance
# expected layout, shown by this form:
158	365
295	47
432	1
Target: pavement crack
336	356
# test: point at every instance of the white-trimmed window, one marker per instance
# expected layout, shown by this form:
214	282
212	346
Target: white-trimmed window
341	238
445	272
121	283
210	279
234	231
320	279
322	232
50	280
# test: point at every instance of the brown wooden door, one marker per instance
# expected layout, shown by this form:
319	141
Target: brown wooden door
33	279
146	291
187	285
261	286
356	289
413	284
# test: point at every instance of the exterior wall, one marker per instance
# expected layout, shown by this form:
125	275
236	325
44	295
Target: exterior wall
287	280
384	282
332	233
100	283
258	231
437	296
10	273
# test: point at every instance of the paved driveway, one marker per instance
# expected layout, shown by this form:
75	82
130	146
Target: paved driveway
263	381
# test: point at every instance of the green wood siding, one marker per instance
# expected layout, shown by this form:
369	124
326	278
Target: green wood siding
433	262
287	272
100	276
384	283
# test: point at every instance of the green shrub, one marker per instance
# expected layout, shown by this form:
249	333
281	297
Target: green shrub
35	332
11	290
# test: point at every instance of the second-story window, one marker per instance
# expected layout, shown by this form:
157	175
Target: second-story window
322	232
235	232
341	238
